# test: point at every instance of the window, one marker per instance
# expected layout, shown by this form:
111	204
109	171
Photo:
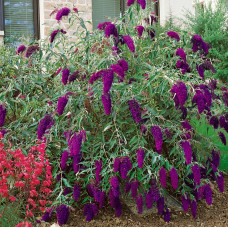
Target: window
105	8
19	18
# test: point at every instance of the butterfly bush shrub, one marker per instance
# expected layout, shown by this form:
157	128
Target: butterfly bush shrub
115	108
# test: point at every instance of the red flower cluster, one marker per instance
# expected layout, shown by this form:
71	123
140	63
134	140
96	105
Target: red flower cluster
28	176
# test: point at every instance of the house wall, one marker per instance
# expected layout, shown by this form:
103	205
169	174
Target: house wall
48	23
1	37
175	8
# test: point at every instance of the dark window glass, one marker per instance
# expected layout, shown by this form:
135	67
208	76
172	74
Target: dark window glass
19	18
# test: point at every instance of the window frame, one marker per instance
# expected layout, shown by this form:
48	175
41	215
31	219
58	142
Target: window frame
36	18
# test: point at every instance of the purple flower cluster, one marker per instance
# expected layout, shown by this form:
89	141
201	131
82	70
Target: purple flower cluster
220	182
130	2
75	144
199	44
116	68
134	188
2	115
158	136
129	42
196	174
123	63
140	30
225	98
115	186
139	202
174	178
214	122
161	205
181	94
111	29
21	49
115	203
64	160
90	210
65	75
107	103
103	25
185	202
162	175
222	137
123	165
174	35
73	76
187	151
62	12
194	208
200	100
135	110
142	3
186	125
62	102
183	66
44	124
76	192
107	80
208	194
167	215
31	49
180	52
98	165
63	213
140	157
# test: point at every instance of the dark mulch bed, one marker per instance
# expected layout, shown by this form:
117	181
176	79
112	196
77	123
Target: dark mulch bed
214	215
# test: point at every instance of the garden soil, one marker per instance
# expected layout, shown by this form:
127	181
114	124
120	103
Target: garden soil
214	215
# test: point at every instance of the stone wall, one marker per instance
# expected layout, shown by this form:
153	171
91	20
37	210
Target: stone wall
48	23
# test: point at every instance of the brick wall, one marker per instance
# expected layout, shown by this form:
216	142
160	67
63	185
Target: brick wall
48	23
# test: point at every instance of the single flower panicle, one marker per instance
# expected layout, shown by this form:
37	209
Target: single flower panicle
140	30
62	213
129	42
174	35
2	115
64	160
62	12
20	49
107	103
135	110
62	102
140	157
174	178
158	136
44	124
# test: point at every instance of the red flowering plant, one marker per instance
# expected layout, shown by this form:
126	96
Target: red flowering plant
118	108
25	180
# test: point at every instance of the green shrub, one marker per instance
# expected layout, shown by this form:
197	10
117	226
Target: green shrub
146	119
212	24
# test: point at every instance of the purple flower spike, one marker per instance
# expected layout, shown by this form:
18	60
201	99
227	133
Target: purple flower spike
140	30
200	70
123	63
21	49
129	42
53	35
220	182
98	165
162	175
135	110
107	80
174	35
134	188
180	52
62	12
158	136
196	174
225	98
65	75
62	102
140	157
187	151
89	211
31	49
174	178
62	214
111	30
185	202
102	26
194	208
130	2
142	3
64	160
2	115
214	122
116	165
139	202
186	125
107	103
118	70
76	192
44	124
222	137
222	121
167	215
208	194
149	200
160	205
